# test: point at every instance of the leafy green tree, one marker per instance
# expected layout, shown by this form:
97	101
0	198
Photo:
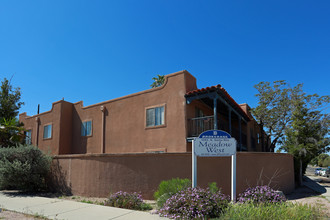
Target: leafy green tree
9	100
293	119
276	106
273	112
11	132
323	160
158	81
307	135
10	128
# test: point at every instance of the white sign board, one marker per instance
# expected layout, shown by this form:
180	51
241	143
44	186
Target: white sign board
215	143
215	147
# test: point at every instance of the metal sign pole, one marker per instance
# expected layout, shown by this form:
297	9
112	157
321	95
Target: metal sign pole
194	165
233	177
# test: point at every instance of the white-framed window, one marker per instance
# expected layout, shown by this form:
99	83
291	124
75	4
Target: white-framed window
155	116
28	134
86	128
47	131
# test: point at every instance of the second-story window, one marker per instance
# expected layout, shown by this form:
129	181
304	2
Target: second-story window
47	131
155	116
86	128
28	137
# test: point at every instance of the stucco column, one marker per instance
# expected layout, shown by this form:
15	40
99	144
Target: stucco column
37	131
102	129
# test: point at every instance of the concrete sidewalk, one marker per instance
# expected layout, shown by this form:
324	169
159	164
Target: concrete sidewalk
54	208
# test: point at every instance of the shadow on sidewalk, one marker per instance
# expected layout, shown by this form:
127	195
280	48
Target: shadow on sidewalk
17	193
308	189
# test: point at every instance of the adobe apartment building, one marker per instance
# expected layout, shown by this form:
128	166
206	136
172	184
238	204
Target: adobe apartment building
162	119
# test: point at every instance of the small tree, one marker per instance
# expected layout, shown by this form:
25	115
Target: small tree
158	81
9	100
11	132
307	136
10	128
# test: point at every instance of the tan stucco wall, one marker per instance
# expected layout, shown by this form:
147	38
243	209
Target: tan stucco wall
98	175
119	125
59	117
125	118
125	128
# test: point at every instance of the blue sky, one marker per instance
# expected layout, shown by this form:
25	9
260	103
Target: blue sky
100	50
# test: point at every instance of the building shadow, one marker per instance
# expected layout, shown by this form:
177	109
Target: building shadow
57	180
309	188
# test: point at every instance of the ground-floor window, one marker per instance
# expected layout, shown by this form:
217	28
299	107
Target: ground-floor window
28	134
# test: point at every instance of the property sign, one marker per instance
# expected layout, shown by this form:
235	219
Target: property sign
214	143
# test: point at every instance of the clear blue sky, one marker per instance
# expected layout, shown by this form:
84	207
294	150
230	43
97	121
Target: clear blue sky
99	50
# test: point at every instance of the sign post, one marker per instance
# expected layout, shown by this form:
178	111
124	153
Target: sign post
194	167
233	177
215	143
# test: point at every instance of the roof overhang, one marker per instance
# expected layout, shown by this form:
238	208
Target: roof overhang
219	93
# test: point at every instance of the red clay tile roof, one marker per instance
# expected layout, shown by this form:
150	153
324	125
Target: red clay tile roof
217	88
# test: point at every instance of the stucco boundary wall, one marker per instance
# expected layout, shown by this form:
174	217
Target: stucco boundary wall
97	175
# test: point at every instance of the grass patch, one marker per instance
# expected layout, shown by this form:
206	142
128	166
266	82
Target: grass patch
271	211
86	201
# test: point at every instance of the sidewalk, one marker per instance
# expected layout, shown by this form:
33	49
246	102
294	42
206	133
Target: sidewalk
53	208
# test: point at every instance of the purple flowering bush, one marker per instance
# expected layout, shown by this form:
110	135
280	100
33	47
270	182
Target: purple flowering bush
192	203
261	194
127	201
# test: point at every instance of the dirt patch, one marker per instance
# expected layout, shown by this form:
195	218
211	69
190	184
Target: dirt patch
5	214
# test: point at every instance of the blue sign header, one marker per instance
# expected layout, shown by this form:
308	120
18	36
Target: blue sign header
214	134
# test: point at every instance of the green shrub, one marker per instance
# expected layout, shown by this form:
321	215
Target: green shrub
213	187
168	188
23	168
127	201
271	211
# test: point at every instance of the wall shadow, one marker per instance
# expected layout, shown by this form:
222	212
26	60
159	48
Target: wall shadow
79	143
57	180
309	188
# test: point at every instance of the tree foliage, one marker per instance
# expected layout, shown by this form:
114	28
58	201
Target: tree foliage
295	120
10	128
9	100
11	132
323	160
158	81
307	135
273	112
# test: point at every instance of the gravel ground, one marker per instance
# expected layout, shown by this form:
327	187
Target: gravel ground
5	214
